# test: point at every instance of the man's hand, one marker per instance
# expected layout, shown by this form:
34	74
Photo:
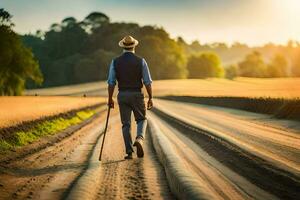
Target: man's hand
149	91
111	103
149	104
111	89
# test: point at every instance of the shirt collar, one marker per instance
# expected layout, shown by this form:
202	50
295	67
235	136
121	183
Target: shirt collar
131	51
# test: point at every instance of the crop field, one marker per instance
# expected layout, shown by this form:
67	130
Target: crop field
78	89
15	110
239	87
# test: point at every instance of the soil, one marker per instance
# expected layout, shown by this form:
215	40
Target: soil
51	172
139	178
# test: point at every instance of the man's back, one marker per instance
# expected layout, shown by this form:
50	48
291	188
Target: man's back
129	71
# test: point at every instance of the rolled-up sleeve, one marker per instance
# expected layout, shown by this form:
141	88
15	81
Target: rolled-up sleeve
146	74
111	74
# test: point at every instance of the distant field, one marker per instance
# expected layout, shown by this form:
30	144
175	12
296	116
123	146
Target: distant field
15	110
240	87
277	97
72	90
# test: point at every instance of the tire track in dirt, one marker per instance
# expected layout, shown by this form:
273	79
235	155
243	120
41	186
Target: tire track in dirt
248	167
47	174
139	178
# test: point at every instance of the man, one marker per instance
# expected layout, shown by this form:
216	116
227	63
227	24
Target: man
131	72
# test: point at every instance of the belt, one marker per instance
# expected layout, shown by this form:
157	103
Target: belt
130	89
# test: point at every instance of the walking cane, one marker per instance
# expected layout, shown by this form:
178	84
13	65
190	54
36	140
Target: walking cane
105	129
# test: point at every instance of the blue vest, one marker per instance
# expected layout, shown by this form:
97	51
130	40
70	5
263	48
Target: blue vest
129	74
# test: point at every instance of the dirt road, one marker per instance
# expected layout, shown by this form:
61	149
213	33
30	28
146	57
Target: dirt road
133	179
259	161
228	154
52	172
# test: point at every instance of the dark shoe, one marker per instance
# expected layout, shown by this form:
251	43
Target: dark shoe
128	157
139	147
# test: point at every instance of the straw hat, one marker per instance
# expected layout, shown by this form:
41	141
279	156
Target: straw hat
128	42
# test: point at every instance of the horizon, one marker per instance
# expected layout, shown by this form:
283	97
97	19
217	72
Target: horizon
237	23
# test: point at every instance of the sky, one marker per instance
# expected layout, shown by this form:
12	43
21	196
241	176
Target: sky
254	22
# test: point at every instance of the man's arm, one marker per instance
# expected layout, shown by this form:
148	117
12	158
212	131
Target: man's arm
111	89
147	82
149	91
111	84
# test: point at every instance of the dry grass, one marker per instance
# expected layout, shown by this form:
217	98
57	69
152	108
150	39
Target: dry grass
72	90
15	110
279	97
241	87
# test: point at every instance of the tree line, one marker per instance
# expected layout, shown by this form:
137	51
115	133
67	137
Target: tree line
73	51
80	51
17	63
268	61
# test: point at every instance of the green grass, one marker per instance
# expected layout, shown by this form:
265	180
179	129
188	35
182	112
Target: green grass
44	128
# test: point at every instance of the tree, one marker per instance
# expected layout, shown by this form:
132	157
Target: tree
278	67
55	27
68	22
5	18
95	20
253	66
296	64
205	65
61	71
95	67
181	41
164	56
64	40
17	63
231	71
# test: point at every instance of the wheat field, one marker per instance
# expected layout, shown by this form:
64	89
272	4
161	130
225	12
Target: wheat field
240	87
15	110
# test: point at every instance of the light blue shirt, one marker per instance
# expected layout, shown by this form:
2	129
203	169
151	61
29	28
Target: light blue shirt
145	72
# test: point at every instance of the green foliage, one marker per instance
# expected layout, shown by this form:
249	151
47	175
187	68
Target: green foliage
75	52
94	66
205	65
45	128
278	67
95	20
17	63
253	66
69	22
164	56
61	71
5	18
296	65
85	114
64	39
231	71
4	145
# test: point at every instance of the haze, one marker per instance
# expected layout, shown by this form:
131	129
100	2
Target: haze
254	22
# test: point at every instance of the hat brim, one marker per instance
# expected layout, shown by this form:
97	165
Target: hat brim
135	43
